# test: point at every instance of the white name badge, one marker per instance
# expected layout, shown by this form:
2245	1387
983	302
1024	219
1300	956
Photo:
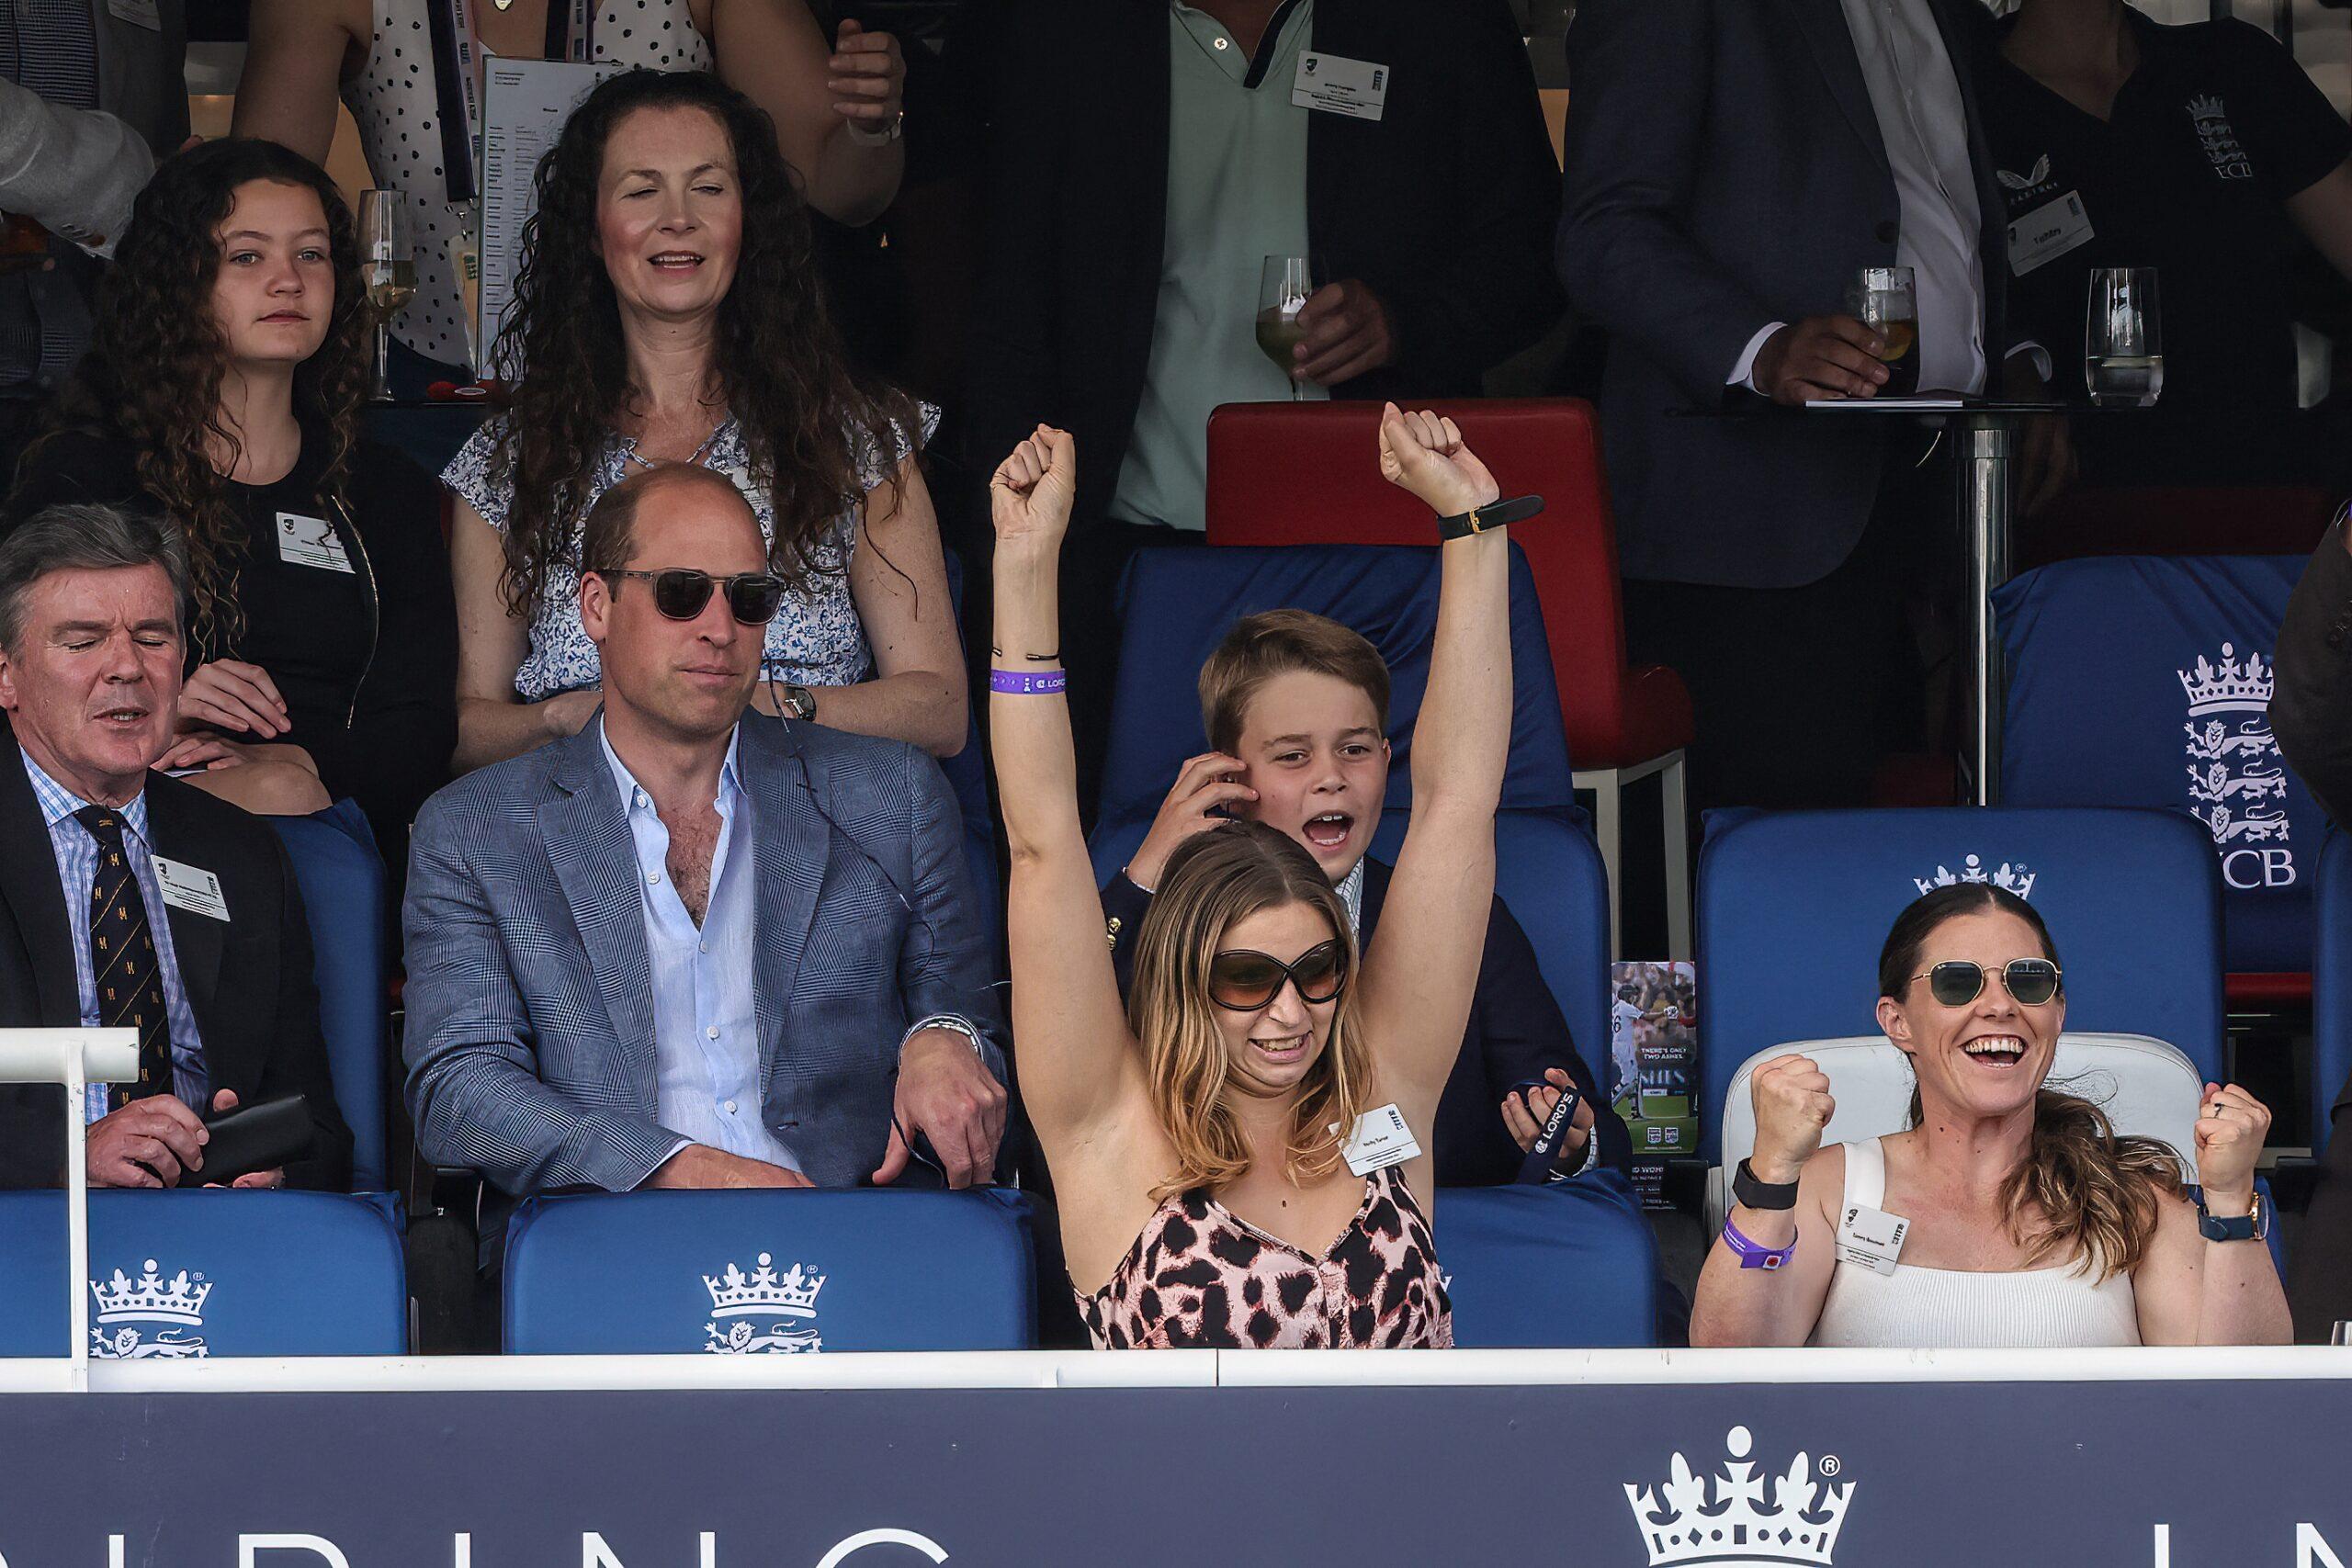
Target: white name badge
1381	1139
311	541
1871	1238
1336	84
192	888
2048	232
138	13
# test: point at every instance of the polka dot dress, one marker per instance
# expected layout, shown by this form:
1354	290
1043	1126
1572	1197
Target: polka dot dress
395	102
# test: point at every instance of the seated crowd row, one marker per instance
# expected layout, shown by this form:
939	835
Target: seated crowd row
700	814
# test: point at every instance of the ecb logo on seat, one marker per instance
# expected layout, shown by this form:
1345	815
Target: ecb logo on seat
2237	782
148	1317
763	1312
2009	877
1740	1526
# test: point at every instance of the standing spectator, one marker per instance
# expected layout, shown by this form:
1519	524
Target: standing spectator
1729	174
667	309
836	115
1149	155
90	98
2203	151
92	602
223	392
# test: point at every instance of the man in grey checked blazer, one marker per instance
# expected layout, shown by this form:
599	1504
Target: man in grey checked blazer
606	989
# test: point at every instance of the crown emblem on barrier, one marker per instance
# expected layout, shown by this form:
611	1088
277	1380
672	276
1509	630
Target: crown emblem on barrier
1684	1529
2234	686
149	1299
2009	877
763	1292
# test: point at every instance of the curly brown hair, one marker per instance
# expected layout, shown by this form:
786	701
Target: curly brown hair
781	367
153	374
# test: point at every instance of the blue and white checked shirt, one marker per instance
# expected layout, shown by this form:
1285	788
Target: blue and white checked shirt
77	867
705	1031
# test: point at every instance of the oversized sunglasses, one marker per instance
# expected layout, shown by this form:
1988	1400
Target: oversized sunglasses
1960	981
1246	981
681	592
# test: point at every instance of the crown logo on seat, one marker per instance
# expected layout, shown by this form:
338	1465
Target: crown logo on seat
2235	686
149	1299
2009	877
1683	1528
763	1292
2205	105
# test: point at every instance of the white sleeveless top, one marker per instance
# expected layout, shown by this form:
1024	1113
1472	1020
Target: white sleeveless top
1949	1308
396	105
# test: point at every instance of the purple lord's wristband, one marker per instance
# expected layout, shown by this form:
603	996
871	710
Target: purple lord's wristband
1754	1255
1028	683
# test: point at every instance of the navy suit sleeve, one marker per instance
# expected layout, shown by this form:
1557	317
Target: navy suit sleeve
1636	134
942	968
2311	713
1522	1032
1124	906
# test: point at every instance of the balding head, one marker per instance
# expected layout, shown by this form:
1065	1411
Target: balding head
635	507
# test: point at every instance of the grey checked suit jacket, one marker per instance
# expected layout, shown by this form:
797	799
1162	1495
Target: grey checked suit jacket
531	1015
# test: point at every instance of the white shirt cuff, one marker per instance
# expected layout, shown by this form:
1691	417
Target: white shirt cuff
675	1150
1744	373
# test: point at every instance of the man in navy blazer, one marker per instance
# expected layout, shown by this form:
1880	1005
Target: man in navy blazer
1731	166
695	946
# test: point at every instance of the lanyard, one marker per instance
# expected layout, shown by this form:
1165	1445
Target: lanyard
1542	1166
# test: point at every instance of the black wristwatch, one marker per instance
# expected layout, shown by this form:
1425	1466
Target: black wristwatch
2252	1226
1494	514
797	702
1761	1195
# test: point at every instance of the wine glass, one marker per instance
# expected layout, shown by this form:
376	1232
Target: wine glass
1283	288
388	271
2123	345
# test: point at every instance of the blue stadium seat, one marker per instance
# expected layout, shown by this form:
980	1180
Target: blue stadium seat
341	878
2331	984
1794	907
2145	680
1573	1265
176	1275
751	1272
1178	604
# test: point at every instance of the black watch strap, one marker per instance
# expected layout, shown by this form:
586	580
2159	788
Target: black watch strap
1494	514
1761	1195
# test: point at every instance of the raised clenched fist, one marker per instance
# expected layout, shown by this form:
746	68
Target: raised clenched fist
2231	1125
1792	1105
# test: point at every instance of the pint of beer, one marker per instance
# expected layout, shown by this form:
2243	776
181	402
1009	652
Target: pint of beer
1886	299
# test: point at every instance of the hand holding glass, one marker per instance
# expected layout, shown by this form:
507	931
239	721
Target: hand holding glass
1283	288
1886	299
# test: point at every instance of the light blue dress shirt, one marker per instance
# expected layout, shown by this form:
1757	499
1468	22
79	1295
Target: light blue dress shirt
706	1034
77	867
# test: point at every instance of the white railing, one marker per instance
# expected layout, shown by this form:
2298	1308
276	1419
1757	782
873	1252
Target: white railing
74	1058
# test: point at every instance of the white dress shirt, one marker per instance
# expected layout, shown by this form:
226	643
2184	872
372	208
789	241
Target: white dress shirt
1923	121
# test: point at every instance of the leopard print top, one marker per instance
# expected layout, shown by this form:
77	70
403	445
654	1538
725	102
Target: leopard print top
1200	1277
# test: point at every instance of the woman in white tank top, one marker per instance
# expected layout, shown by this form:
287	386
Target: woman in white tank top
2009	1215
836	113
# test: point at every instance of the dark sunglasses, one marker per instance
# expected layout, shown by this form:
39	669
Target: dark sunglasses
1246	981
681	592
1959	981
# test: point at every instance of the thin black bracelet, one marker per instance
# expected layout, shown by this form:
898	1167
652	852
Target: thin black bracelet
996	652
1494	514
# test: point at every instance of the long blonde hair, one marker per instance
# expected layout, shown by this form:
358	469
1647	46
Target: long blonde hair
1212	881
2095	1189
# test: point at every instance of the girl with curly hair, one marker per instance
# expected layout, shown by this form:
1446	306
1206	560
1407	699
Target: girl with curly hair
667	309
223	389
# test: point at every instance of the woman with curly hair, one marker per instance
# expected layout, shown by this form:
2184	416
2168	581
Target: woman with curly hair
667	309
223	389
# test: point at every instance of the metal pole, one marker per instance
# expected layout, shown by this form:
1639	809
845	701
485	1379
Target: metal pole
77	1218
1984	523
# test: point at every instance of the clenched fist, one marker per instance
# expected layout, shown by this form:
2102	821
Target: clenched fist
1792	1105
2231	1125
1030	493
1423	453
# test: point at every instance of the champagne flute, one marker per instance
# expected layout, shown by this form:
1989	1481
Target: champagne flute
1886	301
2123	357
388	271
1283	287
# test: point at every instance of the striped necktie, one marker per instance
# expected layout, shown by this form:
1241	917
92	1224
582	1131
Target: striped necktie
129	975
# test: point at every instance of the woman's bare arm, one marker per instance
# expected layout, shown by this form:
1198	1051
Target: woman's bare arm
493	724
